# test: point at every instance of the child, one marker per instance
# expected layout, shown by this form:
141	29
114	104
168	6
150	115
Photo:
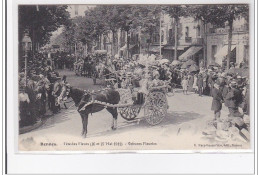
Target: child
184	85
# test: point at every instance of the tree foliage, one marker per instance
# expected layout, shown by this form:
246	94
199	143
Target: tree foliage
111	18
41	21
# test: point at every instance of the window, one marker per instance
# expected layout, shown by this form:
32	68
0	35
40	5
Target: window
76	10
198	31
213	52
187	32
170	40
156	37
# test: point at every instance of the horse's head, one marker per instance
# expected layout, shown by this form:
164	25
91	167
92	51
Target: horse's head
76	94
87	96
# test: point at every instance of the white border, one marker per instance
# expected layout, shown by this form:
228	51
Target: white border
219	162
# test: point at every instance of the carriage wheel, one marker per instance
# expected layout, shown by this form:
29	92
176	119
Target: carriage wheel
130	112
155	108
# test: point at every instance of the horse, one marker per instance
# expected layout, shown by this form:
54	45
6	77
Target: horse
81	98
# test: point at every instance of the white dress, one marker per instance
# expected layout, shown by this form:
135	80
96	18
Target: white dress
195	86
185	85
144	86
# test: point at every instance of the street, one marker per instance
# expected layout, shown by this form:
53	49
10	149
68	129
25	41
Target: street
188	117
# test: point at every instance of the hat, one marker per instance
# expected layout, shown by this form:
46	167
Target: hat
223	75
216	85
214	76
128	74
233	83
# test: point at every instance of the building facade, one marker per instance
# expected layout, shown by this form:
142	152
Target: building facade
217	43
190	40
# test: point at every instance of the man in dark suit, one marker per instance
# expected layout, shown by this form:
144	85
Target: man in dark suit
217	100
200	84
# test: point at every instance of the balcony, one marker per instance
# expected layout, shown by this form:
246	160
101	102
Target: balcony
241	28
188	39
212	30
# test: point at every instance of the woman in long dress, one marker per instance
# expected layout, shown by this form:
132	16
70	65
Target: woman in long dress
184	85
190	82
195	84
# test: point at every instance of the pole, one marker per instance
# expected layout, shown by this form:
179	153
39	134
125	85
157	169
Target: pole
76	52
175	39
140	47
118	43
160	36
25	70
205	45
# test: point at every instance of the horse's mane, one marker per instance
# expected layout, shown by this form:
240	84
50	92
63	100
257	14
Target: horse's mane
76	94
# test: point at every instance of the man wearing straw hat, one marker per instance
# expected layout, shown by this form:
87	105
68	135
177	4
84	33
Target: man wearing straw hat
217	100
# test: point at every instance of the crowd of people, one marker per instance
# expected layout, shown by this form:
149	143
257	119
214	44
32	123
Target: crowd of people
38	89
230	88
62	60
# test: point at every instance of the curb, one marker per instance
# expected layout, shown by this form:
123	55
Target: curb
32	127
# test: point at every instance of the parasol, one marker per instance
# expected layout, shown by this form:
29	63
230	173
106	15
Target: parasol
175	62
100	51
240	71
162	61
214	65
190	62
187	64
193	68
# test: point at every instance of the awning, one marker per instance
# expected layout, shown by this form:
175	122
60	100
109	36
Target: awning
173	48
155	49
132	46
124	47
222	53
191	51
101	51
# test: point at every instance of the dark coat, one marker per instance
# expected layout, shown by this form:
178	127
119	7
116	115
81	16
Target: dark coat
200	81
217	100
205	79
225	91
233	98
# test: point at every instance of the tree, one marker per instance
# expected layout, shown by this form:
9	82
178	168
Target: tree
176	11
218	15
202	13
41	21
147	18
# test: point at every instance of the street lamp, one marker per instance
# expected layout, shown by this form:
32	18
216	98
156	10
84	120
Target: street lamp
26	43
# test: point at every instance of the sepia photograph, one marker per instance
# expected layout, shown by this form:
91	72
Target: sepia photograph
144	77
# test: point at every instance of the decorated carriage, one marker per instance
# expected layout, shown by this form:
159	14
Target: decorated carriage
155	105
124	96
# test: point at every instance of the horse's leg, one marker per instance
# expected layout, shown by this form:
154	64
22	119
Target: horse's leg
115	114
113	122
86	125
113	111
83	126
